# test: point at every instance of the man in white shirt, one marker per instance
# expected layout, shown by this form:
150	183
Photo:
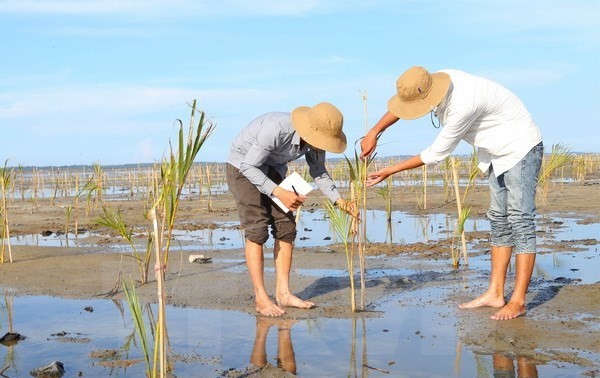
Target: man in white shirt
510	150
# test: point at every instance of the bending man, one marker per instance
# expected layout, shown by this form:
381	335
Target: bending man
510	150
257	163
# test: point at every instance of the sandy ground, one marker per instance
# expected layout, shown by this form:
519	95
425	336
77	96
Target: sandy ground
562	313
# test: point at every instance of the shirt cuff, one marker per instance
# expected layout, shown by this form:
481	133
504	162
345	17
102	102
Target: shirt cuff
268	187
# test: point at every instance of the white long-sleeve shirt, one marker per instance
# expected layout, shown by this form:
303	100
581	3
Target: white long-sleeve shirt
487	116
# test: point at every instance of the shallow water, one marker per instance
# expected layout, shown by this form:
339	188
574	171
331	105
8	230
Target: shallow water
413	340
404	337
313	231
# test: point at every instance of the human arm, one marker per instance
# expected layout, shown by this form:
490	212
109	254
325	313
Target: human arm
457	124
382	174
317	170
369	142
254	149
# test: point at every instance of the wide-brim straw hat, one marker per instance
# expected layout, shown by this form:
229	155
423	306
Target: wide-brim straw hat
321	126
419	92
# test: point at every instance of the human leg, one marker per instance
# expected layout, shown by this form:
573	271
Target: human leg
254	219
283	265
526	368
284	232
503	366
258	356
521	182
286	358
516	305
255	264
494	296
501	248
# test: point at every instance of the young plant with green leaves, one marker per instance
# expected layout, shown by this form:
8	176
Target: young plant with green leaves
342	224
137	315
114	220
461	217
472	173
358	196
6	178
559	157
174	171
386	193
164	197
99	175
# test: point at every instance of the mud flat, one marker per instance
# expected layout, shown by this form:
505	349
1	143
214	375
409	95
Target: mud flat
411	292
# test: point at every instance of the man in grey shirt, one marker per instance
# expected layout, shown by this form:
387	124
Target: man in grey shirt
257	163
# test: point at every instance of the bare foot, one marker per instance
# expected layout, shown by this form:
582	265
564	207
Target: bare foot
289	300
268	308
485	300
510	311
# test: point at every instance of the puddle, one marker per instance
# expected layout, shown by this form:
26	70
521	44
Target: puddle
566	228
411	341
53	240
406	338
314	231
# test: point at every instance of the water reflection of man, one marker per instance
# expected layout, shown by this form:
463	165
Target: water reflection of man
504	367
286	359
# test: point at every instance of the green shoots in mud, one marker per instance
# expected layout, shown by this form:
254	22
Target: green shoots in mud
6	178
342	225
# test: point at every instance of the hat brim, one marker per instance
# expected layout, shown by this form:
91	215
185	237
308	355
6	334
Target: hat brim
300	119
423	105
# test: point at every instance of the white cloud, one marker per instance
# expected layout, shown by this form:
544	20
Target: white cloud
87	99
69	7
199	8
118	115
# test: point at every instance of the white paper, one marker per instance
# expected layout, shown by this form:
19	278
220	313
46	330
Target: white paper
298	183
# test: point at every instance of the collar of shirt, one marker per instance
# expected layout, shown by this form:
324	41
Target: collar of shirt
443	105
296	144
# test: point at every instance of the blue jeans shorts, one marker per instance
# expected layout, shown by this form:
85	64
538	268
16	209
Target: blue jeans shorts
512	203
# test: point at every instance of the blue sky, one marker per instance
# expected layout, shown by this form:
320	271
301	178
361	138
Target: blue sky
90	81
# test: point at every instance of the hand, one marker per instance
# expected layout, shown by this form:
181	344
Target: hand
368	144
377	177
348	207
289	199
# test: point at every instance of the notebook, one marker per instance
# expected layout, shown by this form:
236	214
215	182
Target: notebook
298	183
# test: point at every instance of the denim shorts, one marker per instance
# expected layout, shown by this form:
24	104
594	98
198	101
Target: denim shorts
512	203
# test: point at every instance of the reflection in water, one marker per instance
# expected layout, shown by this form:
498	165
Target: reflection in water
286	359
10	339
504	367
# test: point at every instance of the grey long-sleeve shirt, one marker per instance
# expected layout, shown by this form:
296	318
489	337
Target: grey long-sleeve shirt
271	141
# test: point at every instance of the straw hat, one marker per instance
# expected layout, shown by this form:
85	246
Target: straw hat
418	93
320	126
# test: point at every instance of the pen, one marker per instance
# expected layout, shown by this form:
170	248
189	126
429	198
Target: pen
295	191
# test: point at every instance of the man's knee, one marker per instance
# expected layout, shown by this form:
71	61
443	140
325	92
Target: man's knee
257	235
497	216
285	231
